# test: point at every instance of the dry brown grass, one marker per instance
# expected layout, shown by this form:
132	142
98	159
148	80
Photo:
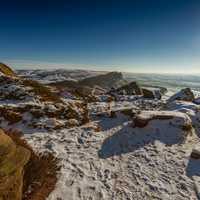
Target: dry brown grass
41	90
40	174
187	127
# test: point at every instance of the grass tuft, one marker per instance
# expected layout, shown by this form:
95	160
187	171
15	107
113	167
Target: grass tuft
40	174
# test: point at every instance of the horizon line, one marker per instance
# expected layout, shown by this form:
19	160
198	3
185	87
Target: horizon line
41	65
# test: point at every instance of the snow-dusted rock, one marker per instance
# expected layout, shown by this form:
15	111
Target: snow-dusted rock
184	95
39	113
177	119
189	108
196	152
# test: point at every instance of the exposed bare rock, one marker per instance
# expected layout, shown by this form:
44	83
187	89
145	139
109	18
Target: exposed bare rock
162	90
151	93
184	95
130	89
13	158
148	94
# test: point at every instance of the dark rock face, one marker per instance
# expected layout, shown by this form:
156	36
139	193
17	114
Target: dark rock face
112	79
183	95
148	94
162	90
130	89
151	94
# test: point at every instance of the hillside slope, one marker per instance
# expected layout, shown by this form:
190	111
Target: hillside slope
6	70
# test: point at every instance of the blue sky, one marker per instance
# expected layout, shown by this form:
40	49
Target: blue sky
136	36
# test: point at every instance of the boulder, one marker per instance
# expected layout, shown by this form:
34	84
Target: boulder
13	158
184	95
130	89
152	93
148	93
178	119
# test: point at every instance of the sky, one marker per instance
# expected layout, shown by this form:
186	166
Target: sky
154	36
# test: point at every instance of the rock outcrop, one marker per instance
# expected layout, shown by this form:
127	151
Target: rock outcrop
35	105
184	95
13	158
148	94
151	94
44	115
130	89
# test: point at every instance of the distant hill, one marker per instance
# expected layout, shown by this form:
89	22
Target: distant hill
6	70
111	79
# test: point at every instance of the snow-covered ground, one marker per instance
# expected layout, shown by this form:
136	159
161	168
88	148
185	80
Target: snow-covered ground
122	162
56	75
131	149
